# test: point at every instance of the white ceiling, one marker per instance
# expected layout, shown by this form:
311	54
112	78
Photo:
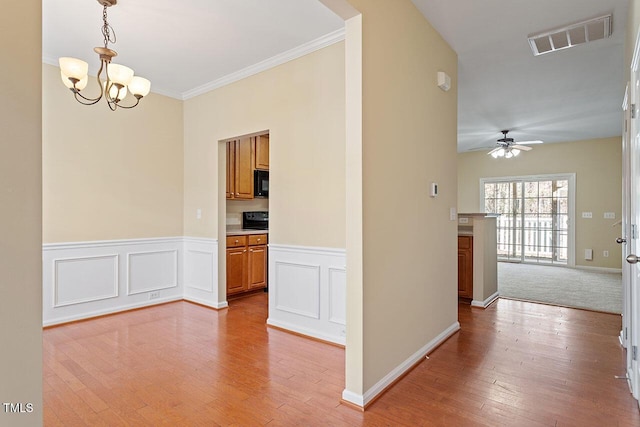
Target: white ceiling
569	95
181	45
186	45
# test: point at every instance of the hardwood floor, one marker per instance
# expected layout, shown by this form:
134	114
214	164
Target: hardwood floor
179	364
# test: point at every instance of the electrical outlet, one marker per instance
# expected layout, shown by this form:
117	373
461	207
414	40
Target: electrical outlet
587	215
463	220
154	295
605	254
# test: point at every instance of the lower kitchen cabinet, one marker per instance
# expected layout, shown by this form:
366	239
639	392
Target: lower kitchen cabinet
246	263
465	267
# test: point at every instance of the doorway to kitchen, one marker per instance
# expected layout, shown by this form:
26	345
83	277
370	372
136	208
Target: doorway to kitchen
247	215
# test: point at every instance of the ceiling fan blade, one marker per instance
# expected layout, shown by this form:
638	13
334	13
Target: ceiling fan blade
530	142
522	147
495	150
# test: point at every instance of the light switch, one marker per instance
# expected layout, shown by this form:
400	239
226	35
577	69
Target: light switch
587	214
452	214
198	213
609	215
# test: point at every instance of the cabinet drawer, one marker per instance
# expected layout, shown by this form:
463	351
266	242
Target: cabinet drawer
236	241
257	239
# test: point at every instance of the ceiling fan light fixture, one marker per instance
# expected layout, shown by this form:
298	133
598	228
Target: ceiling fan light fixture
508	148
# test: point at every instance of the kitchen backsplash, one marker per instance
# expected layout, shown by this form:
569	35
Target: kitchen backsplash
236	207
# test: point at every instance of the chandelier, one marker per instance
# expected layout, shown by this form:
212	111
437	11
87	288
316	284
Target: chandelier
118	79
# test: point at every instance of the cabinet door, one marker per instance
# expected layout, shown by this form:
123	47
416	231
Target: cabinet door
231	169
262	152
257	266
465	266
236	270
244	169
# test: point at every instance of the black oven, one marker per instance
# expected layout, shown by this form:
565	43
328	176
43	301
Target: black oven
255	220
260	183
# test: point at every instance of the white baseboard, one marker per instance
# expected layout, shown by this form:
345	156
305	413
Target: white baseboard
307	291
487	302
200	301
313	333
380	386
97	313
88	279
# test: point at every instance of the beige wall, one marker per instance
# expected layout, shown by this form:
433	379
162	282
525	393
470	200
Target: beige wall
21	212
409	262
301	104
597	164
110	175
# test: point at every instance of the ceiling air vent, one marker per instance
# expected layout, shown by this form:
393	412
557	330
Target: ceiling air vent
570	35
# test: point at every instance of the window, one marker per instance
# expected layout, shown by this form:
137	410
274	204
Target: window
536	217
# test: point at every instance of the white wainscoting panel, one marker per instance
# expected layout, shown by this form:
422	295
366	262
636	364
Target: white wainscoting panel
88	279
298	288
201	272
151	271
84	279
338	295
307	291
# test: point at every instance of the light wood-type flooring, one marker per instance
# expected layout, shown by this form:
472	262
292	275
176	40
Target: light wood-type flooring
180	364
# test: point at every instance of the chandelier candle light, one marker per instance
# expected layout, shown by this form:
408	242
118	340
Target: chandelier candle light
74	72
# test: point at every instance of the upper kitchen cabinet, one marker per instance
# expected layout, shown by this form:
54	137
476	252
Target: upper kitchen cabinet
244	156
240	166
262	152
231	169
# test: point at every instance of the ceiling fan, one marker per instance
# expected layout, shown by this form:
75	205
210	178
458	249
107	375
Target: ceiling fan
507	148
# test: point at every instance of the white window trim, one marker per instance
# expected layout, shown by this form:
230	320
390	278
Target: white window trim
571	178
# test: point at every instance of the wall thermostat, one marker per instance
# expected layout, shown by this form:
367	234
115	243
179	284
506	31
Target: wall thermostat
434	189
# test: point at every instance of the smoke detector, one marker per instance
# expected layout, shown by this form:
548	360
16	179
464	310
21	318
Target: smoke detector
571	35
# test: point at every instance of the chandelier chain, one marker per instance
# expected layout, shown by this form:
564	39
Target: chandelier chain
108	32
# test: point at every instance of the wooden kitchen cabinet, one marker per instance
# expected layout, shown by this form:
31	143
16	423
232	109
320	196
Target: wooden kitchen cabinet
231	169
261	152
240	167
246	263
465	267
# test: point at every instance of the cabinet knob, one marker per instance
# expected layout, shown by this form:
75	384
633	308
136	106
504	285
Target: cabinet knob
236	240
258	240
244	251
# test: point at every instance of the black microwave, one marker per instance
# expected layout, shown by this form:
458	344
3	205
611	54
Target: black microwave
260	183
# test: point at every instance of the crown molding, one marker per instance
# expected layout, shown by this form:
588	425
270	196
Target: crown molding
295	53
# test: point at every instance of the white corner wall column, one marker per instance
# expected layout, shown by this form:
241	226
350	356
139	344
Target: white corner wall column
307	291
201	272
87	279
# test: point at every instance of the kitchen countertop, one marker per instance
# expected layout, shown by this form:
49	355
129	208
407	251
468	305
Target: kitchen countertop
237	231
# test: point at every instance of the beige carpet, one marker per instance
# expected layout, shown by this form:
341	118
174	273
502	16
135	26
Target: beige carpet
562	286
